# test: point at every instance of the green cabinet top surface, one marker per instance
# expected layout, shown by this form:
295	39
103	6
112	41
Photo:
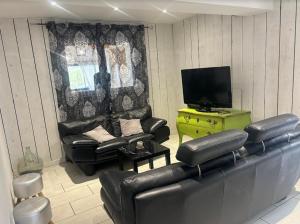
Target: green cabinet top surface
221	114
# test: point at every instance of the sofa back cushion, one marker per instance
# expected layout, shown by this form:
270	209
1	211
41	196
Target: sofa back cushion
130	127
201	150
99	134
271	127
81	126
141	114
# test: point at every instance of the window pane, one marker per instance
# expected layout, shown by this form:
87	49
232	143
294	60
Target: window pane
82	66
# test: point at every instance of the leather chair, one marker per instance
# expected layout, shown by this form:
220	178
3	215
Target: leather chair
88	153
221	178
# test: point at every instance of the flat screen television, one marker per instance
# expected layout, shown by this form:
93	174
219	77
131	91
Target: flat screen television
206	88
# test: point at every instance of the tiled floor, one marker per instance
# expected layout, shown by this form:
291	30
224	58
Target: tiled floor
75	198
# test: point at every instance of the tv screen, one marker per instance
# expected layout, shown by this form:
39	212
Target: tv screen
207	87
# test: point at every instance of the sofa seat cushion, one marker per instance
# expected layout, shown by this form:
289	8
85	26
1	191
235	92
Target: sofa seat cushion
111	145
111	181
138	137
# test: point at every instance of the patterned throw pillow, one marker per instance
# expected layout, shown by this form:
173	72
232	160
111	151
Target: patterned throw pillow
131	127
99	134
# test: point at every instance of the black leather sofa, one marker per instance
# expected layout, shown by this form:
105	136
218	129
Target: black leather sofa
88	153
218	181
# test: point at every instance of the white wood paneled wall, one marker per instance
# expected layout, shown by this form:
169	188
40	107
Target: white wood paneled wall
200	41
27	98
161	72
262	50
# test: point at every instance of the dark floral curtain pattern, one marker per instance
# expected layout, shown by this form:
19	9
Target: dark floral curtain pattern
120	79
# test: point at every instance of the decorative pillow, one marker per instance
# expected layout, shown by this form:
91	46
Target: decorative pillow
131	127
99	134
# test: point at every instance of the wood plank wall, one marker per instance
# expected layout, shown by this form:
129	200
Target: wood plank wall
27	99
200	41
262	50
161	72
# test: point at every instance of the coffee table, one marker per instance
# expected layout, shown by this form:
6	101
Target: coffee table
151	150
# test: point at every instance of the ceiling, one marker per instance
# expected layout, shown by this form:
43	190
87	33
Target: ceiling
152	11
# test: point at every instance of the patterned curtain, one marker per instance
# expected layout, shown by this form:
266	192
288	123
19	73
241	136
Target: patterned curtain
98	69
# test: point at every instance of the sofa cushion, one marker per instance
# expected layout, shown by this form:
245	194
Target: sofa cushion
201	150
110	145
130	127
99	134
271	127
110	181
141	114
81	126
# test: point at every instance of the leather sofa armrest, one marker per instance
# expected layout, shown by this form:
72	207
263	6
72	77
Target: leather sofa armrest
80	148
79	140
150	125
110	145
142	182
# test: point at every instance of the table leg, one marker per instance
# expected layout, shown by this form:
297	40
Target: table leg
168	159
135	167
151	166
121	165
180	138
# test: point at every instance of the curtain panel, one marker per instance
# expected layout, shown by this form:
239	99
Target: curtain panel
98	68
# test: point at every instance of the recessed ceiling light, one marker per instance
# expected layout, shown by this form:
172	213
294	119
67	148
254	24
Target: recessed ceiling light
116	8
164	11
53	3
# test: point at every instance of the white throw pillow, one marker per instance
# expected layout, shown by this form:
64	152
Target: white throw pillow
99	134
131	127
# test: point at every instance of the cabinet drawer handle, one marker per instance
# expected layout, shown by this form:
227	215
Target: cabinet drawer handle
198	120
197	131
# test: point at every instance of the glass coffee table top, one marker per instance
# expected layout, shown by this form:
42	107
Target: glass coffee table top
150	150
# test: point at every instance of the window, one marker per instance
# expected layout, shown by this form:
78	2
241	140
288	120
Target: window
82	62
118	63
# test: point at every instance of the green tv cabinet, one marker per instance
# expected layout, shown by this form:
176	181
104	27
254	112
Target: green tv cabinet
197	124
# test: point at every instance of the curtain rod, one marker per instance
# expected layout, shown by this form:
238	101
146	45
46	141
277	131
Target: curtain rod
44	24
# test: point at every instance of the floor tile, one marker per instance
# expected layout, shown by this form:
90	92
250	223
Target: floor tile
86	203
109	221
93	216
256	221
70	196
52	189
293	194
288	213
95	187
62	212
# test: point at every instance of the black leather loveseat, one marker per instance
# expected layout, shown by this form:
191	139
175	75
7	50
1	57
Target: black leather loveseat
218	181
88	153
